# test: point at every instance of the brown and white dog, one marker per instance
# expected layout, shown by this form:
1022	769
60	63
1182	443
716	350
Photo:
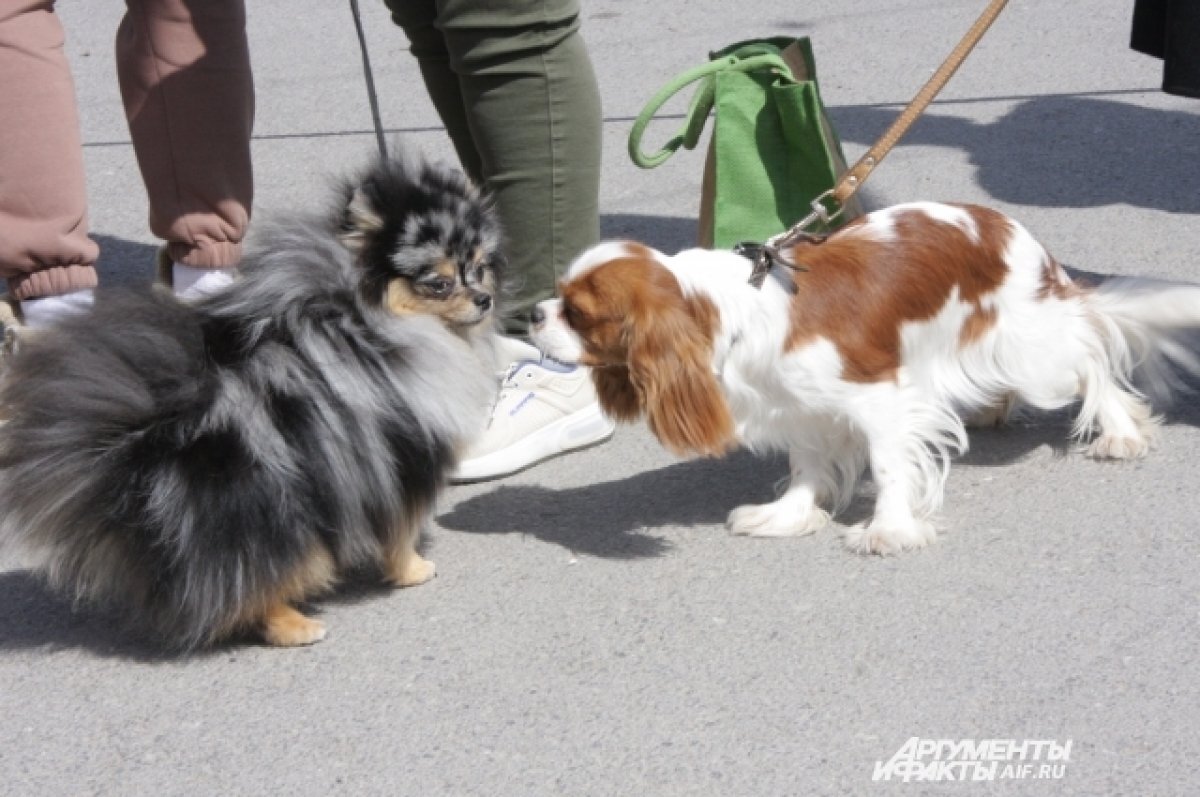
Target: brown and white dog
903	325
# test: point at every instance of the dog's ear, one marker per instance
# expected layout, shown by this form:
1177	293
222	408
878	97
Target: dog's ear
670	367
360	220
616	393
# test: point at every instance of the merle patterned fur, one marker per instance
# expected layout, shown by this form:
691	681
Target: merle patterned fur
184	462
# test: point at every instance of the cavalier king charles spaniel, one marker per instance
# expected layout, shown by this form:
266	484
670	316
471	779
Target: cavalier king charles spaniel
876	349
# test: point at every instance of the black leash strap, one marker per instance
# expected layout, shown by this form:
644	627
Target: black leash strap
371	97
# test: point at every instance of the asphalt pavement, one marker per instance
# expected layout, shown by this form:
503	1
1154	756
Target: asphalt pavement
593	629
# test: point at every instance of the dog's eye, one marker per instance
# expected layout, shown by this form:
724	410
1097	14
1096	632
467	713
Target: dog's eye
438	286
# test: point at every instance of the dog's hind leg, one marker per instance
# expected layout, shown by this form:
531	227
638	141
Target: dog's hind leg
1066	350
403	566
1091	362
1126	423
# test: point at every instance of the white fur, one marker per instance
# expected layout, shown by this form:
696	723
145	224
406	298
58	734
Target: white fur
554	337
1045	352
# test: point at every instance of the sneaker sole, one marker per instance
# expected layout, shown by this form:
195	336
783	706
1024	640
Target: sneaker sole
580	429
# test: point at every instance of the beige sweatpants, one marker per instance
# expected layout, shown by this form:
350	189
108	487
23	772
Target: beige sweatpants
184	72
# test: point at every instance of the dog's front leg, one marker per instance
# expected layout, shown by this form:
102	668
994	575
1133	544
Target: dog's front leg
284	626
403	566
795	513
900	478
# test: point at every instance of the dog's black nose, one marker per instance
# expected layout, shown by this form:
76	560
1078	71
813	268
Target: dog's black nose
483	301
538	315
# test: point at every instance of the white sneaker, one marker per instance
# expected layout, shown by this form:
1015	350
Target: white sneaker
544	409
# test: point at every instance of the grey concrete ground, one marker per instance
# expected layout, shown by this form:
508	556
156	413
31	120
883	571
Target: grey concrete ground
593	629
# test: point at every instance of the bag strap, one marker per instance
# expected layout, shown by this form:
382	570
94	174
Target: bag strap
852	180
699	107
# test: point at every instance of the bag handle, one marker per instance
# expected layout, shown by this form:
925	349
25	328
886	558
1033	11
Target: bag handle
699	107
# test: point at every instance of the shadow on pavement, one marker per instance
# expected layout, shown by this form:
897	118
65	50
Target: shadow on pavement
611	519
664	233
34	617
615	519
123	262
1071	151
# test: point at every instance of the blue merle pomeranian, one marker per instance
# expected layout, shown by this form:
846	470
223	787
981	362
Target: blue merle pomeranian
206	467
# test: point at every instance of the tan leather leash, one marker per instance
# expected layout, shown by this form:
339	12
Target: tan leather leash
829	205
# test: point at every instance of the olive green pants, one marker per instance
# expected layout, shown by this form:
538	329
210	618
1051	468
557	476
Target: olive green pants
515	88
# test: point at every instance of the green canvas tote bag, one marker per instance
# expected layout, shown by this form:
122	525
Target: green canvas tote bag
773	149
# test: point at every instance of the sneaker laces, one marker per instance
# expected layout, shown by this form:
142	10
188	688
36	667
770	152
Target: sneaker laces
508	383
506	379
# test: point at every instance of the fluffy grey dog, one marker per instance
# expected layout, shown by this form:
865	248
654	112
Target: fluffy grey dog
208	466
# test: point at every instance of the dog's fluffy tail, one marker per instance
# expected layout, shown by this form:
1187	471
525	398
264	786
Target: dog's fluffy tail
1151	328
80	397
1145	347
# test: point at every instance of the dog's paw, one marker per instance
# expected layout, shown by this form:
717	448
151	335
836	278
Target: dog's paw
286	627
412	572
886	539
772	520
1118	447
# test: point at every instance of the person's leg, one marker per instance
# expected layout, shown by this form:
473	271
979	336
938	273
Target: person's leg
516	91
1181	56
184	71
515	83
1149	34
1170	31
44	247
428	45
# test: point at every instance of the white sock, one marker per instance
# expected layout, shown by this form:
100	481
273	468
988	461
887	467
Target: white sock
49	310
196	283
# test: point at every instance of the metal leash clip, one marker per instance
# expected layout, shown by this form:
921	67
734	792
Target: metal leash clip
768	255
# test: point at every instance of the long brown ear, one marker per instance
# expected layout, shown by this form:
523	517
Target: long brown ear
670	365
618	397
